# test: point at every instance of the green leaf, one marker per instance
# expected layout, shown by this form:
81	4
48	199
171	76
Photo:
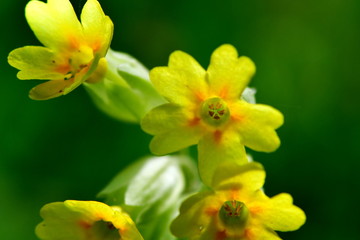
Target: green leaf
151	190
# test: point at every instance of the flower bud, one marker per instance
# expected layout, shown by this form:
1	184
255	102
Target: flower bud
124	91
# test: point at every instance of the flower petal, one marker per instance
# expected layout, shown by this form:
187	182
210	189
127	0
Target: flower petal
228	75
57	216
250	176
98	28
56	88
193	218
183	82
54	23
218	150
80	77
89	209
256	123
49	89
260	233
280	214
35	63
175	140
77	220
164	118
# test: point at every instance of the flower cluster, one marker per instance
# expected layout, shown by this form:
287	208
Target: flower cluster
206	108
181	105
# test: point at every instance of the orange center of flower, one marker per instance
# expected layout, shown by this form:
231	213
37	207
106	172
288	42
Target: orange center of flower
234	214
214	111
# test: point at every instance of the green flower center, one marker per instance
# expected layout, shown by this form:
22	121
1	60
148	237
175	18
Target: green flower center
214	111
234	214
102	230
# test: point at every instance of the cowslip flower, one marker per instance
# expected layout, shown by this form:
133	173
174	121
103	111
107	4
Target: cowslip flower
73	52
206	108
237	208
85	220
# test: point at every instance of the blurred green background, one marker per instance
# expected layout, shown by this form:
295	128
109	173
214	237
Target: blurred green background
307	56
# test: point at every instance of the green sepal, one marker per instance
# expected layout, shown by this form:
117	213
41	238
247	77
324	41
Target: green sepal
125	93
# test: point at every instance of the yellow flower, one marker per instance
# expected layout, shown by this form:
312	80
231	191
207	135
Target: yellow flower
206	108
72	51
237	209
85	220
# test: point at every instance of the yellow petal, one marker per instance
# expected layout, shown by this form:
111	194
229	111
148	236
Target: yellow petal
250	176
256	124
98	28
80	77
195	216
77	219
280	214
183	82
49	89
54	23
35	63
228	74
56	88
217	150
175	140
261	233
164	118
99	73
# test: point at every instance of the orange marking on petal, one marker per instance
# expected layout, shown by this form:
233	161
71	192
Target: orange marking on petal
221	235
211	212
100	216
96	46
64	69
248	234
234	194
217	136
122	230
199	96
224	92
73	43
84	224
236	117
255	210
193	122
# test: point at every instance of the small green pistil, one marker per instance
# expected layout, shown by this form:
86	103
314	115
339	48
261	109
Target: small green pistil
215	112
102	230
234	214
